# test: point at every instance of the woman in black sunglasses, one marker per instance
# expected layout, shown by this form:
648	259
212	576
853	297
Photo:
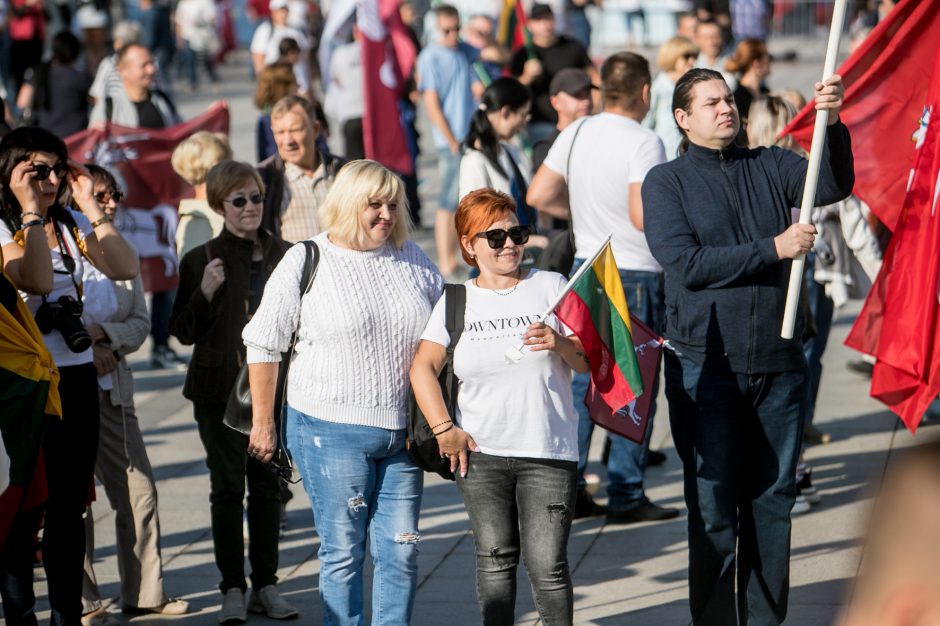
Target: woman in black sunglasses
514	448
45	246
220	288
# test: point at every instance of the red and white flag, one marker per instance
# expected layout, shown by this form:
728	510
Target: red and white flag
886	83
900	323
140	159
388	56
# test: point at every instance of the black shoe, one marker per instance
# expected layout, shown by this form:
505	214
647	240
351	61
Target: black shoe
585	506
655	458
645	511
813	436
860	366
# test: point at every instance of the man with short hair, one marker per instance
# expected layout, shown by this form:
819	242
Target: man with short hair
449	88
139	103
719	220
537	65
297	178
596	167
710	42
265	44
572	96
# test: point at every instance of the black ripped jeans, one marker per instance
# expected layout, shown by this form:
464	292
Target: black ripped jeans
522	506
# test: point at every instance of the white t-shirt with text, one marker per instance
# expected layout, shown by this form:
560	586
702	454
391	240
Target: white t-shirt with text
524	409
611	152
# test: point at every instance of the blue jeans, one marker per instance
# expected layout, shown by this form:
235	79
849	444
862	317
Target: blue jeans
738	436
361	483
822	309
448	168
627	462
190	58
521	506
161	307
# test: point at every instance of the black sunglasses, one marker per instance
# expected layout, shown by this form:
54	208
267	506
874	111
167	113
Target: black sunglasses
497	237
284	472
103	197
42	170
239	202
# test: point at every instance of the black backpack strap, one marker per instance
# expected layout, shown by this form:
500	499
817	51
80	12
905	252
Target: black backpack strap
311	262
455	303
108	108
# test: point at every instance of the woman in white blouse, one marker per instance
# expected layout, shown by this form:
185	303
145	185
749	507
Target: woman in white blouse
358	328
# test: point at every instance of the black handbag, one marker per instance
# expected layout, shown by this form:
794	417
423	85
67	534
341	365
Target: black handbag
238	409
421	444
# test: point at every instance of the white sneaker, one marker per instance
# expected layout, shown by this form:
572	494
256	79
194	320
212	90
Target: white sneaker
233	607
800	507
267	601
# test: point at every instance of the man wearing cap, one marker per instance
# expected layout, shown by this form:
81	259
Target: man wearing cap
537	65
266	42
610	155
449	88
572	97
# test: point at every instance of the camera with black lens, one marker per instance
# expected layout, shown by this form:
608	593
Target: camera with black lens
65	316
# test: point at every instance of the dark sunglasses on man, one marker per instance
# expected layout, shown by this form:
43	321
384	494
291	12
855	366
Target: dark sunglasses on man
42	170
497	237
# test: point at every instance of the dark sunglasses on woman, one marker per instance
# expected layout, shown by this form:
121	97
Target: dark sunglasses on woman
42	170
239	202
103	197
497	237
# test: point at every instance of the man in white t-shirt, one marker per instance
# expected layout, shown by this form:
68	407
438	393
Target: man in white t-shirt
265	44
596	167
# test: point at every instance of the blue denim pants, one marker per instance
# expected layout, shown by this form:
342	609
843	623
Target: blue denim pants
521	506
361	483
738	436
626	465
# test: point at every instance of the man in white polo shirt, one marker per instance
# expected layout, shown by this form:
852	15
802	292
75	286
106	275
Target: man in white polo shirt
596	167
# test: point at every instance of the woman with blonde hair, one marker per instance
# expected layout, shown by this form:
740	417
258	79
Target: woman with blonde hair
357	332
221	283
191	160
750	63
676	57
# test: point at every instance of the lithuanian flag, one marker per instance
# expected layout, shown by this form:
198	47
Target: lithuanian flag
511	31
595	308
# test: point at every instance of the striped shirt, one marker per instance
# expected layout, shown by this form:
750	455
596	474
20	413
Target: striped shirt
303	196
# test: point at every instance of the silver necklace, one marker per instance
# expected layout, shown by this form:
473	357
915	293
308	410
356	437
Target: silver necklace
476	281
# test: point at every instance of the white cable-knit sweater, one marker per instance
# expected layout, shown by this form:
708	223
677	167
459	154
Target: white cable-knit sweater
360	325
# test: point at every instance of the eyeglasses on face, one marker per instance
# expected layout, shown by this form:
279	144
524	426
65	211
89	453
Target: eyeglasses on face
104	197
43	170
239	202
496	238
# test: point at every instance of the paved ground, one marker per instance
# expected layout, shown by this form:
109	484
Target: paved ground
622	574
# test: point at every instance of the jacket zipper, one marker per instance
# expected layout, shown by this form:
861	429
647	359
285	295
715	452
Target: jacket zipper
737	212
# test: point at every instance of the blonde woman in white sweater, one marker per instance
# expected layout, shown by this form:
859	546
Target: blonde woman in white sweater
358	330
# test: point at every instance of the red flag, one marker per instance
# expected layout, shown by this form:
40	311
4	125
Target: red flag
140	159
388	56
901	311
885	90
630	421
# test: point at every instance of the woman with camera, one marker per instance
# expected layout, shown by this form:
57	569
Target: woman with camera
221	283
36	175
514	446
357	331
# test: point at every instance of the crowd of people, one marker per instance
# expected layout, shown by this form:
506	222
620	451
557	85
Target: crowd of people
684	170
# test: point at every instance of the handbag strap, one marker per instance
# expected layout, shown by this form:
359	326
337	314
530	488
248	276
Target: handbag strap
455	303
577	131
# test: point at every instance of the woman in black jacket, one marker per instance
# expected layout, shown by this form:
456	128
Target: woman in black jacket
220	287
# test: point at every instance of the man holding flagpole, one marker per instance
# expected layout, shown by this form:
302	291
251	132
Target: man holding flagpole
719	221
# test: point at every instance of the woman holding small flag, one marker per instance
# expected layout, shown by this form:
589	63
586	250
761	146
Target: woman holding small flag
517	419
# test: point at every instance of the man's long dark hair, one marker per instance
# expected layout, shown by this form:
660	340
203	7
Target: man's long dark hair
15	148
682	96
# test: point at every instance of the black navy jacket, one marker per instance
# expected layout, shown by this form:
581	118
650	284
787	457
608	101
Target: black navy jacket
710	219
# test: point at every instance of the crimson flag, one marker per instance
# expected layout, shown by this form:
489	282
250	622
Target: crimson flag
900	323
885	90
631	421
139	158
388	56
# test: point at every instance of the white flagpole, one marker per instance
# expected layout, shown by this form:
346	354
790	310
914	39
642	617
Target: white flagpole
514	354
812	171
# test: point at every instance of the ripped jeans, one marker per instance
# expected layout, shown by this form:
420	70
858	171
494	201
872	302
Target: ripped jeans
361	483
522	506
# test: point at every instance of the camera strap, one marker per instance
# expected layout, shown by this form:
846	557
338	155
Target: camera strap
70	265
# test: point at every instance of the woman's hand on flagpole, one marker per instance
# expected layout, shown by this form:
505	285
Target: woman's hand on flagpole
542	337
829	97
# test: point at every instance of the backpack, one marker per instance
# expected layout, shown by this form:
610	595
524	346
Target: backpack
421	444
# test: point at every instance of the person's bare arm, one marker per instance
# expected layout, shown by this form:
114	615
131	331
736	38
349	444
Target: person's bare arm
548	193
262	379
635	204
432	103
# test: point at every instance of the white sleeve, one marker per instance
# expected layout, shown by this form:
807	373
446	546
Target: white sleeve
557	158
268	333
436	329
6	237
259	42
650	154
472	173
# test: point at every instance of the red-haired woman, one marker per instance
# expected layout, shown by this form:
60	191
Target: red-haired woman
518	420
751	64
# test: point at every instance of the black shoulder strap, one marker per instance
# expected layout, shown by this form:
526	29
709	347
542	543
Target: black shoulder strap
169	103
108	108
311	262
455	302
209	254
523	189
568	178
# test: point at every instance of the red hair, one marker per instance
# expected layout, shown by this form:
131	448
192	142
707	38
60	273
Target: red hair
476	211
